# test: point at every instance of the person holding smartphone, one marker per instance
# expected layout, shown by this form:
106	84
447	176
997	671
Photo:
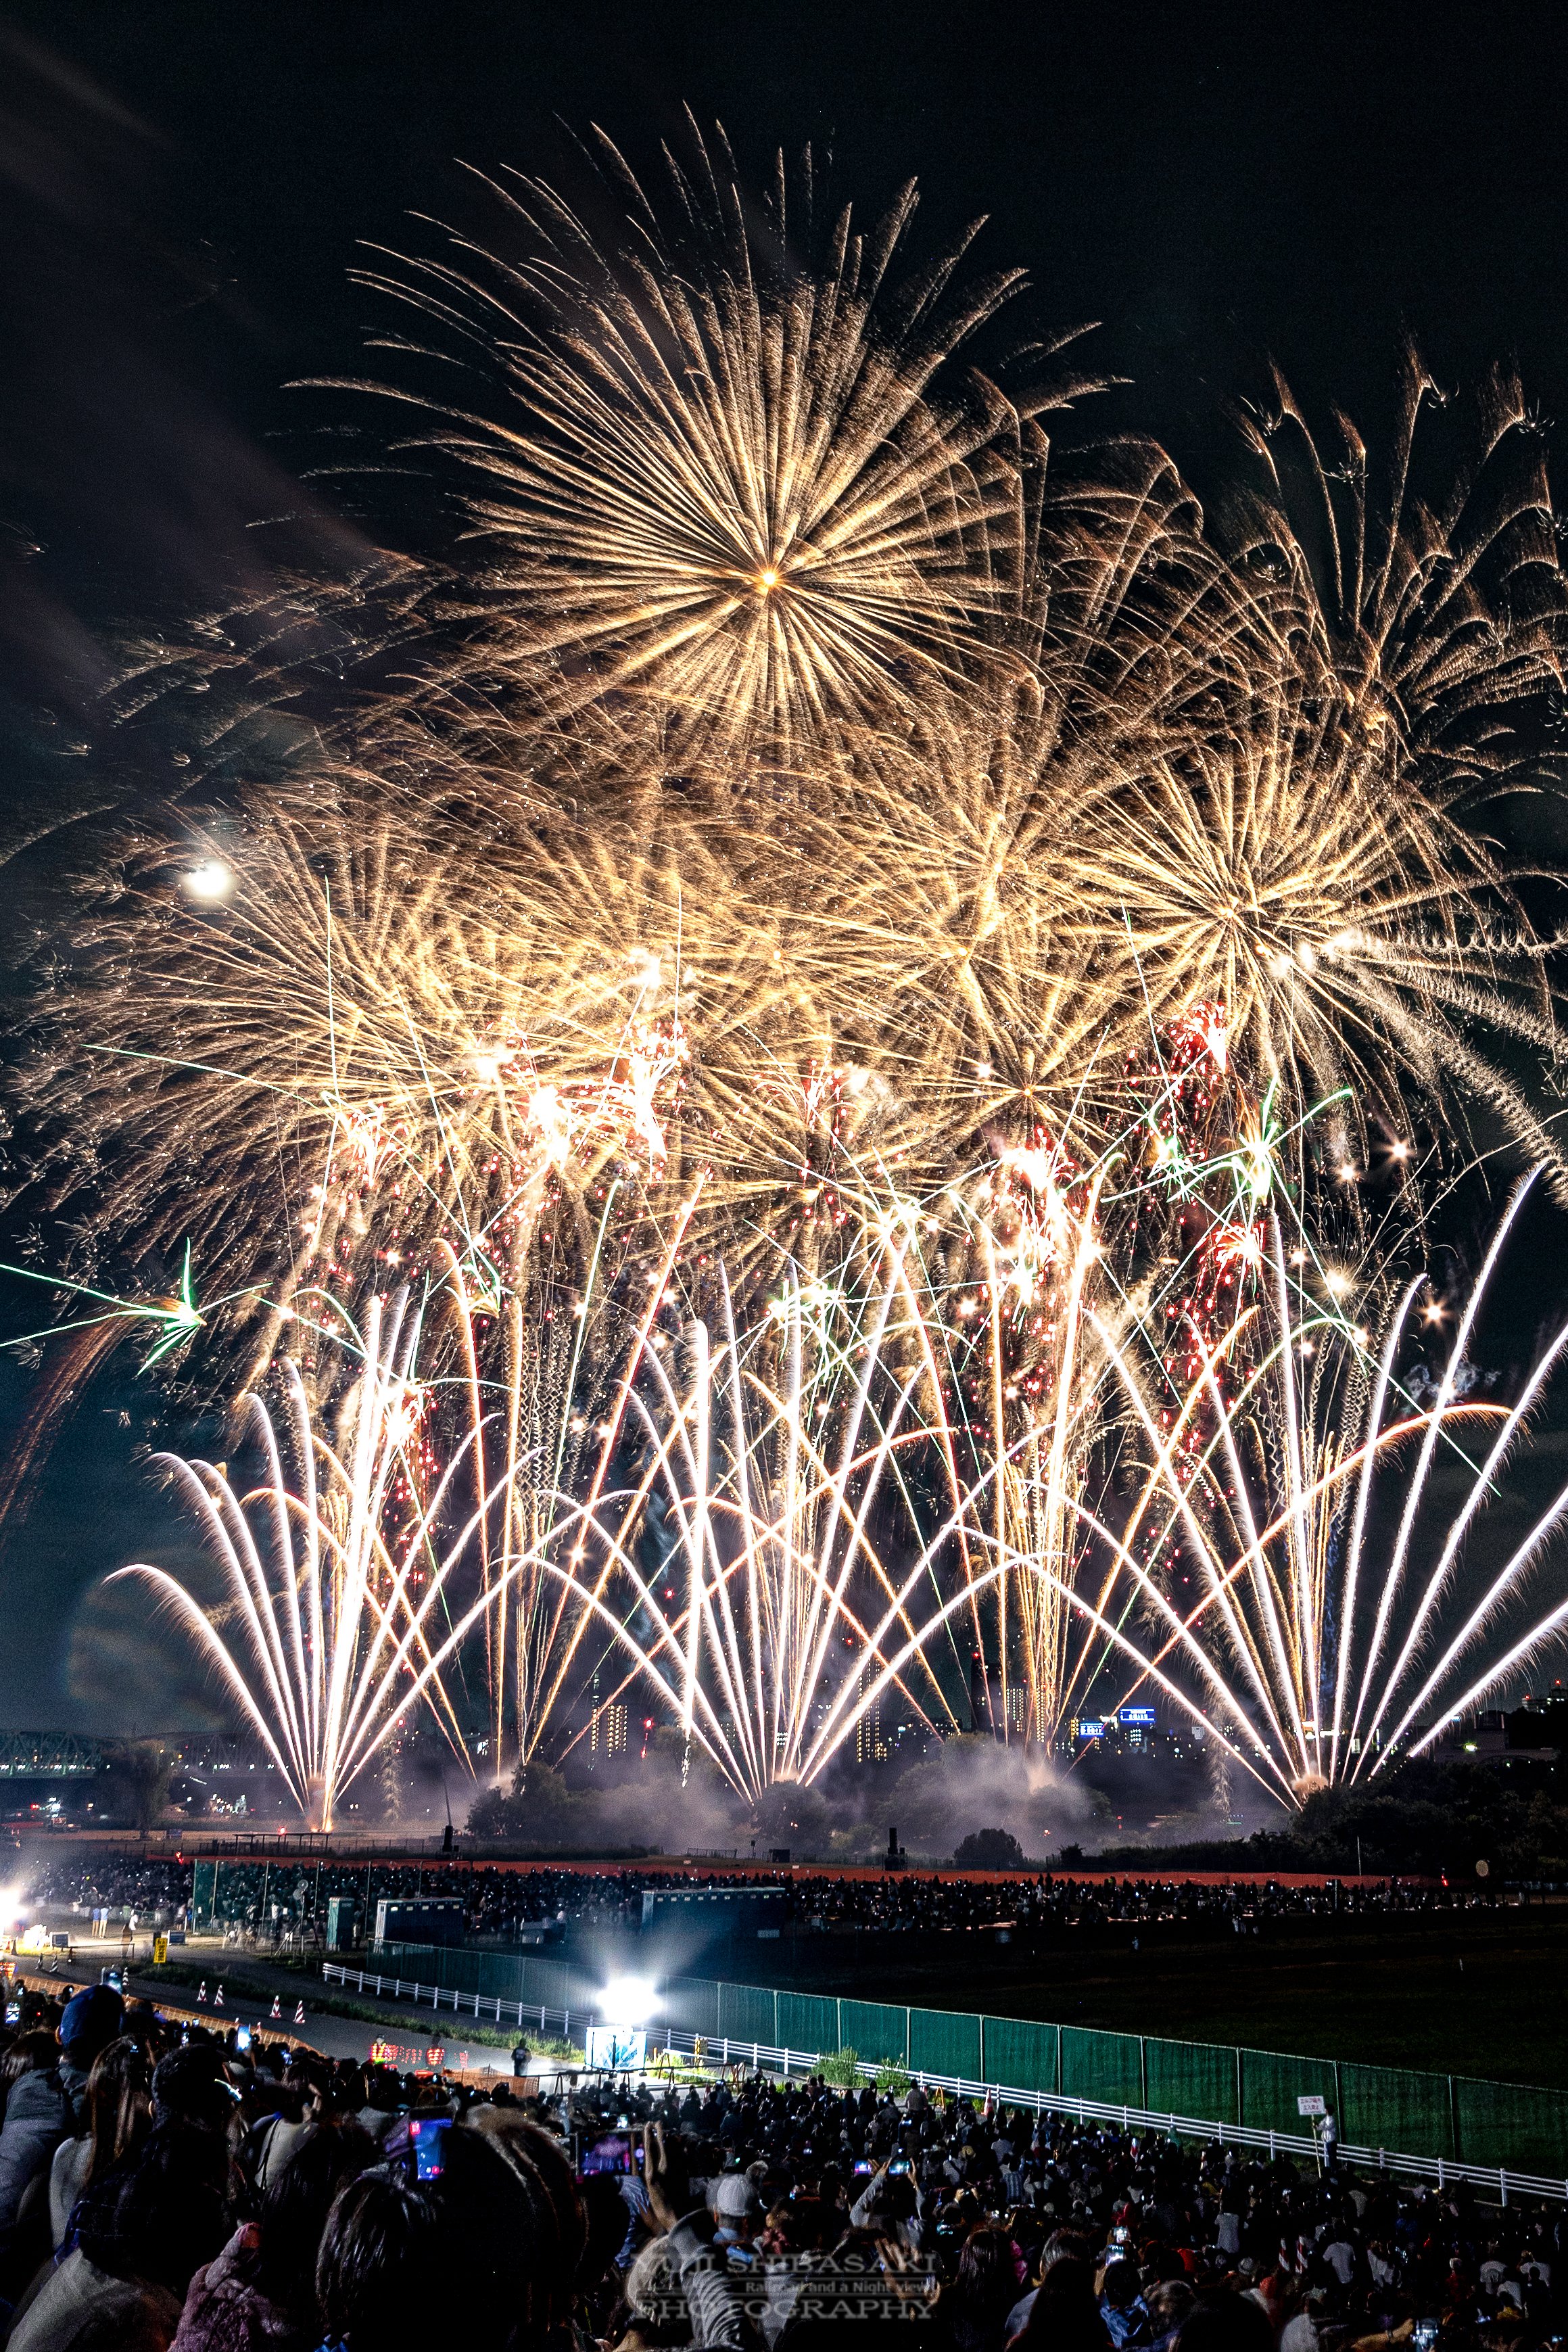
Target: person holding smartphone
715	2299
889	2203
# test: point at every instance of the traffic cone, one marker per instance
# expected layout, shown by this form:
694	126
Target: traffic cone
202	1994
300	2012
276	2010
218	1997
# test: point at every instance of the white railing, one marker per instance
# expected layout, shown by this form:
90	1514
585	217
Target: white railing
764	2058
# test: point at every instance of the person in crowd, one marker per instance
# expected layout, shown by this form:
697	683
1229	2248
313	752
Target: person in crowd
305	2096
973	2310
502	2216
1122	2305
889	2206
1064	2315
27	2054
379	2266
1061	2246
48	2104
736	2208
118	2118
259	2292
141	2232
1168	2301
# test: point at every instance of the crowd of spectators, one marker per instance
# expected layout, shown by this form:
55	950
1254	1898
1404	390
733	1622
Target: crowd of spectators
500	1902
160	2189
106	1882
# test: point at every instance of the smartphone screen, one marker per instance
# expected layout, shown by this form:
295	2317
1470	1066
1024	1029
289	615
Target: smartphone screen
614	2152
863	2165
899	2164
242	2037
427	2137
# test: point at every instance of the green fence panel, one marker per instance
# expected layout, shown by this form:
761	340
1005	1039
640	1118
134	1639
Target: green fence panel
1021	2054
558	1985
203	1888
1107	2067
506	1976
431	1964
809	2022
1272	2083
1396	2107
1507	2123
691	2004
875	2031
1191	2078
945	2041
1401	2109
745	2012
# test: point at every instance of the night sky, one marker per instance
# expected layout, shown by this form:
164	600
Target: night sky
185	187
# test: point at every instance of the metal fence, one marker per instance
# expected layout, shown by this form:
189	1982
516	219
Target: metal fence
765	2057
1458	2118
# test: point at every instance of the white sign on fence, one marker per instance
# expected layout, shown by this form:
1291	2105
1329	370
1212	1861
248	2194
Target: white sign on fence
1311	2105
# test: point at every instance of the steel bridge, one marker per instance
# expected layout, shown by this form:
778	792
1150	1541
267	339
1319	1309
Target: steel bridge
49	1756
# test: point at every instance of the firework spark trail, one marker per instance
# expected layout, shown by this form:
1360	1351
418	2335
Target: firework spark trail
326	1686
772	1522
773	1517
1256	1584
831	826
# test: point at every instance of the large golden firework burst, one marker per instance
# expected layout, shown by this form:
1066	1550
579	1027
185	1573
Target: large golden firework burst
734	472
815	815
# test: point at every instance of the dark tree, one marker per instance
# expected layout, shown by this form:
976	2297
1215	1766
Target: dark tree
989	1849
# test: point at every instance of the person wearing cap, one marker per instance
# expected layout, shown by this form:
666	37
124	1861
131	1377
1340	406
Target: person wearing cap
50	2105
736	2209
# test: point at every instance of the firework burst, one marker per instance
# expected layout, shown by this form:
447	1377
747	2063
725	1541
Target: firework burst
742	486
821	976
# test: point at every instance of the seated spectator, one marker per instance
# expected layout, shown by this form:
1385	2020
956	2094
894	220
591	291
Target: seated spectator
974	2310
118	2118
141	2232
1122	2305
1062	2245
47	2105
1064	2315
29	2053
259	2293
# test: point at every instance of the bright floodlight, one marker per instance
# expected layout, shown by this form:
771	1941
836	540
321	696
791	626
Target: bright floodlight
628	2002
209	880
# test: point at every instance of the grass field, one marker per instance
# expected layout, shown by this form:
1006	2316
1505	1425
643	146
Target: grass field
1482	1994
